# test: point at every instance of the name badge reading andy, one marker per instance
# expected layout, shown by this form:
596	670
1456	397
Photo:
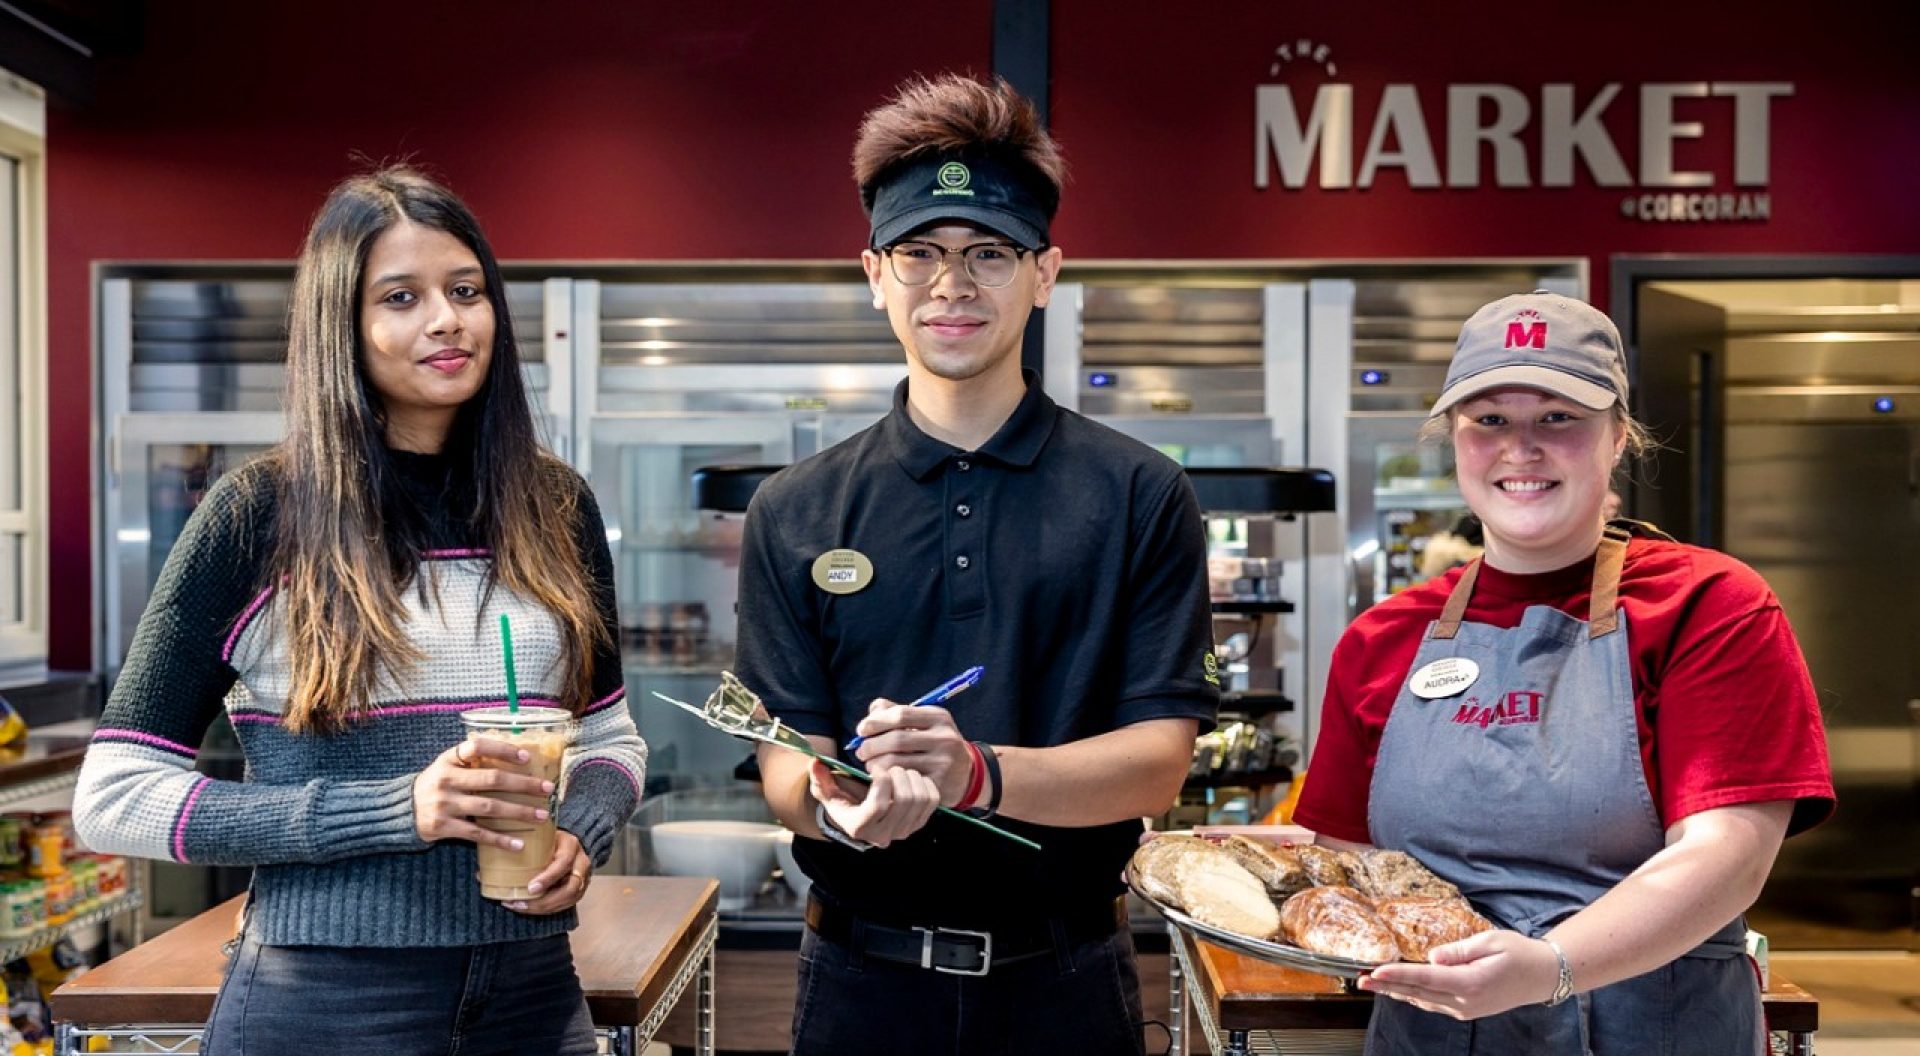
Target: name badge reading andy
1444	678
842	571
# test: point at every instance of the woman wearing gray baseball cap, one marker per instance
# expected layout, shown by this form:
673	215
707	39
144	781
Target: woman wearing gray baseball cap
1600	735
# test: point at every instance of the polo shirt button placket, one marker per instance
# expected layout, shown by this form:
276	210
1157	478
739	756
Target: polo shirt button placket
963	510
962	562
963	465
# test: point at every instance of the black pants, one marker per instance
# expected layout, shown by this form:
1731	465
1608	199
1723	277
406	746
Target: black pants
1083	1000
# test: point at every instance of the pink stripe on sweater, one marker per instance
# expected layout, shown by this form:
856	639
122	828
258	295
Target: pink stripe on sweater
413	709
233	639
447	555
624	772
112	734
605	702
180	826
404	709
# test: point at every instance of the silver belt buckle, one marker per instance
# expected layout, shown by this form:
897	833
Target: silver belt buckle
926	950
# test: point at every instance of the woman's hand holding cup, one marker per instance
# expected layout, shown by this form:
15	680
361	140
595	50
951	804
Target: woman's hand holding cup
458	787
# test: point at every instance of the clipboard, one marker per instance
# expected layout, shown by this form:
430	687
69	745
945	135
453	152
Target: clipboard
737	710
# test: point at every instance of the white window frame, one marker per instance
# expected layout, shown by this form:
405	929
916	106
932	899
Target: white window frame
24	641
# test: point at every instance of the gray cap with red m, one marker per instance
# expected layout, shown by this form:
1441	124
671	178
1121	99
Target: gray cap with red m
1543	341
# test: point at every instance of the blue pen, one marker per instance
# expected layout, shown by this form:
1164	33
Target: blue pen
939	694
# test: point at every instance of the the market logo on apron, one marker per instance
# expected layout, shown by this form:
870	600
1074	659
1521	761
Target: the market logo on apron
1486	116
1520	708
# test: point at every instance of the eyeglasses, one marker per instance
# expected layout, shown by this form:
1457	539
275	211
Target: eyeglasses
990	265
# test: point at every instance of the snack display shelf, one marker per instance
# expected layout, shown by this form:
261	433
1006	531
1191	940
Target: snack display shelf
20	946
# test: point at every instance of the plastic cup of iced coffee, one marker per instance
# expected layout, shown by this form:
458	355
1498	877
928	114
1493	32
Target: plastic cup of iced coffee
545	734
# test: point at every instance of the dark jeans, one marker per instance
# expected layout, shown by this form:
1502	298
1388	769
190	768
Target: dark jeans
515	997
1083	1000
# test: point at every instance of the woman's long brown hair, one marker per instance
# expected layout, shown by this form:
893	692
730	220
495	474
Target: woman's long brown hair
349	539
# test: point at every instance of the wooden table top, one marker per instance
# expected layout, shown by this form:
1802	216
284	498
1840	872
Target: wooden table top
1248	994
635	933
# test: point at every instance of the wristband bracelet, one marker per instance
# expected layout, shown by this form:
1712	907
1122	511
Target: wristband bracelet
991	765
976	777
1563	987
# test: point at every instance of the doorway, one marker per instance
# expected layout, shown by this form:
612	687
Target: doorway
1789	401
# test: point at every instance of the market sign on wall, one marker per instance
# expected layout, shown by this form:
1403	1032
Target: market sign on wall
1305	134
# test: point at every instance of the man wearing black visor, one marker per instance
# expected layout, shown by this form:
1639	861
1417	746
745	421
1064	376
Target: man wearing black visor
977	525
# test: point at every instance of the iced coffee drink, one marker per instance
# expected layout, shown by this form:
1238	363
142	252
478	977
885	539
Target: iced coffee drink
545	734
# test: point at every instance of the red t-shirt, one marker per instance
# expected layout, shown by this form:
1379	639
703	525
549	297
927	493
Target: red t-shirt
1727	712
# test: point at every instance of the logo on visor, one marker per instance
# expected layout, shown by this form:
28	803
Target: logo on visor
1527	330
953	179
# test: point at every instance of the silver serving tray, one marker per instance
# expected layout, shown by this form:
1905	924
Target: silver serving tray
1259	949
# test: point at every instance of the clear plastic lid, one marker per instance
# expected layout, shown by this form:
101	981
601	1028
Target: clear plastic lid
501	718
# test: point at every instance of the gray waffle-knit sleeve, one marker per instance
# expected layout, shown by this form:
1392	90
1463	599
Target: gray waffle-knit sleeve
139	793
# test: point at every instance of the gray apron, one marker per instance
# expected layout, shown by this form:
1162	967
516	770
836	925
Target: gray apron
1526	790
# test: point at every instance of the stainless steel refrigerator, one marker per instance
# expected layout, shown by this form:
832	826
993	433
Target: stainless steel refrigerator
1791	411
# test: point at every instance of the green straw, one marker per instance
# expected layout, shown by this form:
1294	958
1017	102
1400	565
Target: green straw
506	649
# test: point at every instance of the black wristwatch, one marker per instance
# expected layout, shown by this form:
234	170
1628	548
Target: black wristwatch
834	832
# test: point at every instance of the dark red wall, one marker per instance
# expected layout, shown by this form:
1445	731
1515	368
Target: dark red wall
717	129
1157	113
720	129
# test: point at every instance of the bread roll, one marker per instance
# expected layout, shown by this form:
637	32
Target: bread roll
1336	921
1328	867
1279	868
1420	924
1207	883
1397	874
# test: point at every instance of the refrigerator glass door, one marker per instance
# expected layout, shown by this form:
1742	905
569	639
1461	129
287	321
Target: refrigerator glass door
1403	499
161	469
677	570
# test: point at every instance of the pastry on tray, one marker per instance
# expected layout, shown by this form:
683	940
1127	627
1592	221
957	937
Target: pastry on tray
1420	924
1207	884
1279	868
1336	921
1397	874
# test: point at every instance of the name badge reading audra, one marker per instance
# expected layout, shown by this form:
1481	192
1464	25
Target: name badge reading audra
842	571
1444	678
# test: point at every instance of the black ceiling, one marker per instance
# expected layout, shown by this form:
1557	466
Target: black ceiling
56	43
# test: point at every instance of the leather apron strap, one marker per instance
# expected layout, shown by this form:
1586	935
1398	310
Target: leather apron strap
1456	608
1602	610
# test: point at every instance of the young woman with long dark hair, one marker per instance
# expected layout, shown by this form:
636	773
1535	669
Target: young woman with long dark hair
339	600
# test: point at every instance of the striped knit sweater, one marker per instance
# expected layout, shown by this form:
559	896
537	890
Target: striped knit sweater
327	819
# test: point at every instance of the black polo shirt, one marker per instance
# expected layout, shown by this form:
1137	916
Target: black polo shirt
1067	559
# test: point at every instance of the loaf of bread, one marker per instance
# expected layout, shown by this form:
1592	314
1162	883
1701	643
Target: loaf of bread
1375	906
1328	867
1208	884
1420	924
1337	922
1397	874
1279	868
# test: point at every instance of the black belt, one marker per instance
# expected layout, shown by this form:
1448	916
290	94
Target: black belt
961	951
